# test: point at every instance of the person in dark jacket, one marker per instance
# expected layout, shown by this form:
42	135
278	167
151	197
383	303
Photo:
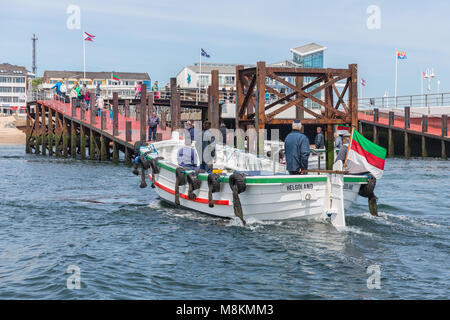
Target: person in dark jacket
223	131
153	123
320	140
296	146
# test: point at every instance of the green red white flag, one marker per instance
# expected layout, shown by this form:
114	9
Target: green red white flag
365	156
114	77
342	128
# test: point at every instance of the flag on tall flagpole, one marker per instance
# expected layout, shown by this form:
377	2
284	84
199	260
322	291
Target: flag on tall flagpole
401	55
88	37
363	82
114	77
365	156
204	54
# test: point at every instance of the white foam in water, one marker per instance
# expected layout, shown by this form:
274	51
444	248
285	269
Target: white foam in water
389	217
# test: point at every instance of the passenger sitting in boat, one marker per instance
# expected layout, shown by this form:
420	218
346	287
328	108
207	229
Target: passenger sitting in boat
297	150
186	156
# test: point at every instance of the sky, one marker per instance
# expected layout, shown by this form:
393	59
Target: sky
161	37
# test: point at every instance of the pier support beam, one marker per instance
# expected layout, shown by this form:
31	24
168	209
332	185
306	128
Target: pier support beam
390	143
390	136
407	147
51	130
115	153
424	147
92	146
58	134
28	131
43	131
375	134
82	142
443	150
37	130
103	153
73	140
65	146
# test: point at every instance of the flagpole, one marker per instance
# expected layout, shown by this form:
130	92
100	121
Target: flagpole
84	58
421	88
396	67
200	77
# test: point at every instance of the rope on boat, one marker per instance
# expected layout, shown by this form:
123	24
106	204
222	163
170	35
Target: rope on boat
180	180
194	184
213	186
238	185
366	191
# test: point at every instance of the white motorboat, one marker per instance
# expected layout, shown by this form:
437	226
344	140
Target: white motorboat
248	186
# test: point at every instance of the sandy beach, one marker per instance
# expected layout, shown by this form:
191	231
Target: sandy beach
9	134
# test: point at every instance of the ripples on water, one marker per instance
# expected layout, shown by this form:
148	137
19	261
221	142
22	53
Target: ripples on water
128	244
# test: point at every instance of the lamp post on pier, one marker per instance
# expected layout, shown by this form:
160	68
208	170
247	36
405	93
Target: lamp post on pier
429	75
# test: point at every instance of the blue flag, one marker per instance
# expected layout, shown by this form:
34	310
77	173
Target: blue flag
204	54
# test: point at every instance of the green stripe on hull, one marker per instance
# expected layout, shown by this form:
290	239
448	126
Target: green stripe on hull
274	179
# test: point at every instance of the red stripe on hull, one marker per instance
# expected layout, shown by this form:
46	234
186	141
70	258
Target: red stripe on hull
371	159
182	195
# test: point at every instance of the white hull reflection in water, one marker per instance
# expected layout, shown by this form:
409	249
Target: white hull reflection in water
269	193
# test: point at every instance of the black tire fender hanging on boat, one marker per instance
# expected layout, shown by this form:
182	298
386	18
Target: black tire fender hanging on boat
180	180
367	191
155	168
194	184
238	185
213	187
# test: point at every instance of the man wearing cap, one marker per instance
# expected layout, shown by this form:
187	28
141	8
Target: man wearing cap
343	151
296	148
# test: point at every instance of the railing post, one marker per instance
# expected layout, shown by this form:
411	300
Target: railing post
424	123
103	120
115	114
74	110
143	115
391	118
93	110
127	108
407	117
376	115
128	132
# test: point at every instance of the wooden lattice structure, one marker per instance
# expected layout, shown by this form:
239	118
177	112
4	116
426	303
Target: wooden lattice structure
339	105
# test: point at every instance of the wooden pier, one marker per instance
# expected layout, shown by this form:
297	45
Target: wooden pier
406	134
58	128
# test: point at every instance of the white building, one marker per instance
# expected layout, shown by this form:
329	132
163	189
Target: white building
13	88
191	78
125	86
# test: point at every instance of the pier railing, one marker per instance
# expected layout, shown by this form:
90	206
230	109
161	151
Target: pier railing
193	95
423	123
413	101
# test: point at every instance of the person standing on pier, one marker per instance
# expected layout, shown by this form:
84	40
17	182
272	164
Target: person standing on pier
87	99
153	123
320	140
98	91
155	90
138	90
297	150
